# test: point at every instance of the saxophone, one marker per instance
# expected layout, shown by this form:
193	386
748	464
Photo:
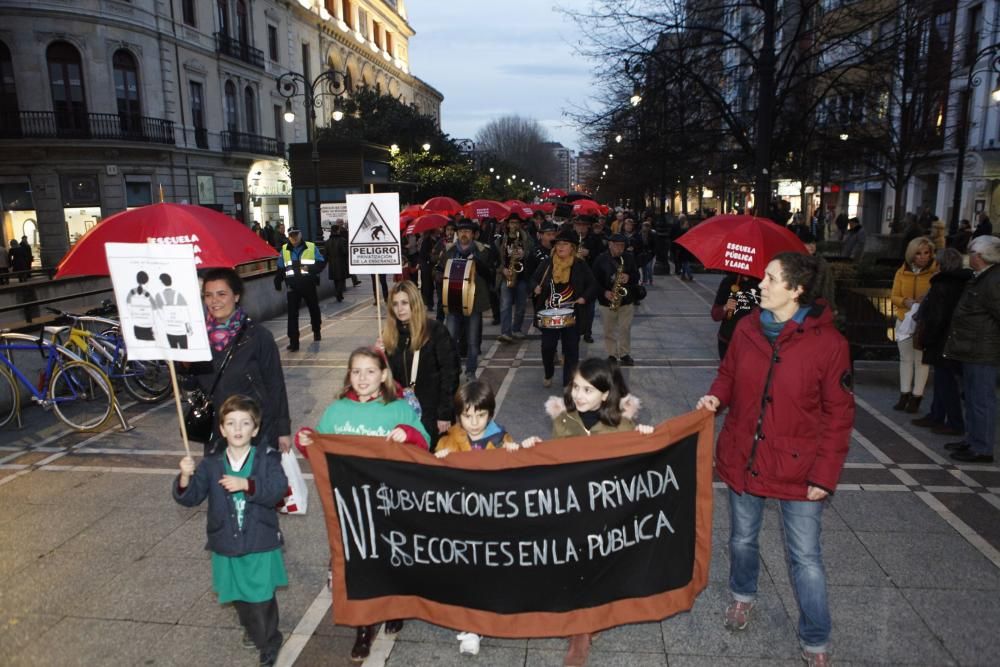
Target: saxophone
514	264
618	291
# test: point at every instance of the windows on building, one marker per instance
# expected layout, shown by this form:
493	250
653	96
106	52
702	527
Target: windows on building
66	85
348	13
229	107
363	23
188	12
272	42
975	27
242	23
250	110
279	122
127	92
198	113
222	16
306	70
10	120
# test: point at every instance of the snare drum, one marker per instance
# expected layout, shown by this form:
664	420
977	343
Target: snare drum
556	318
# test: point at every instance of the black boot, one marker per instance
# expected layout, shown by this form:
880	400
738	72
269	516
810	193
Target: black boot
913	405
902	402
363	643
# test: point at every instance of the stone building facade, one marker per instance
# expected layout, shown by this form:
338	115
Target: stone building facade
106	104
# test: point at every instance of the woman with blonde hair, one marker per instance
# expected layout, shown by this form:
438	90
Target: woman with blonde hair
910	285
422	357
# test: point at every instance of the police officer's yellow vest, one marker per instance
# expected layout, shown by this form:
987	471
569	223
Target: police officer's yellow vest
307	259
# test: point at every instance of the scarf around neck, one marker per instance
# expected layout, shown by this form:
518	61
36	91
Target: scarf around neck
561	268
220	334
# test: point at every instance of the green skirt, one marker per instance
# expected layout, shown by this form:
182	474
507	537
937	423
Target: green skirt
249	578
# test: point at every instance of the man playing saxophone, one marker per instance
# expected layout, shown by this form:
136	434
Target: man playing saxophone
515	246
618	277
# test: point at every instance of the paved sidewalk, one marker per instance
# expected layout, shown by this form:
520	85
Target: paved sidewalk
99	566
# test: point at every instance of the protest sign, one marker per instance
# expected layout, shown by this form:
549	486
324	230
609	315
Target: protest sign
571	536
331	212
159	301
373	233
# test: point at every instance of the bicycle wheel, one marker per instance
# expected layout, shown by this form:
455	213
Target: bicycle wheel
146	381
9	397
81	395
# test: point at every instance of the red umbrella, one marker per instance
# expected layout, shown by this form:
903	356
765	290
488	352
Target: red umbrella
553	192
443	205
519	207
406	218
412	208
485	208
544	207
587	207
219	240
427	222
739	243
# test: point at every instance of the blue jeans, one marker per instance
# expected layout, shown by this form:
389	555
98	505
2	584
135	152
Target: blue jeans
946	408
801	520
454	322
647	271
512	300
979	383
686	269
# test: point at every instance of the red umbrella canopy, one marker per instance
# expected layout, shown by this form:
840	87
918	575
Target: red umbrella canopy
544	207
739	243
587	207
427	222
485	208
443	205
218	240
412	208
519	207
553	192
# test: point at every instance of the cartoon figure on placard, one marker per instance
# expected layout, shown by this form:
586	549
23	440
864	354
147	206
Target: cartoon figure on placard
377	232
172	308
140	306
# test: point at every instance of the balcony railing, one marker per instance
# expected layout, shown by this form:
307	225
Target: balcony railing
234	48
81	125
251	143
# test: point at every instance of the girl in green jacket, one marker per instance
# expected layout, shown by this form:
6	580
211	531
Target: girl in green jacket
595	402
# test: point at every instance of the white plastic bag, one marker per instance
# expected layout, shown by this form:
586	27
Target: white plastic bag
906	327
296	499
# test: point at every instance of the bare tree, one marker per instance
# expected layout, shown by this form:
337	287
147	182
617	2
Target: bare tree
521	142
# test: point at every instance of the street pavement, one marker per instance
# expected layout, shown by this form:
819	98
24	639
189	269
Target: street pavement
99	566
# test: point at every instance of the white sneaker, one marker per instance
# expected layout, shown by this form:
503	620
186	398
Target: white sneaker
469	643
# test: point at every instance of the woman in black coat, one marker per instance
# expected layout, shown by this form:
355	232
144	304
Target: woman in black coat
336	257
409	331
933	321
255	367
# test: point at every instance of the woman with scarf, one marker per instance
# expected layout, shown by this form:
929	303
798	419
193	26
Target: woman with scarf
255	366
422	357
563	281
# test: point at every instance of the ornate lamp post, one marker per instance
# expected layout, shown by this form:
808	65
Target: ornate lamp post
331	83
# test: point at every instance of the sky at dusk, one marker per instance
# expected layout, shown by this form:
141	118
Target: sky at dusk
491	59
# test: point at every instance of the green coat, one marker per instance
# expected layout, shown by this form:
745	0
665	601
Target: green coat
567	424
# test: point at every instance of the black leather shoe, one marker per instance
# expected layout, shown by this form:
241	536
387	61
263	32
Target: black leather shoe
959	446
363	643
292	347
392	627
627	360
588	339
970	456
613	359
317	336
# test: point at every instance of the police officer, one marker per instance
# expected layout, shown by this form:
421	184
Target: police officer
299	265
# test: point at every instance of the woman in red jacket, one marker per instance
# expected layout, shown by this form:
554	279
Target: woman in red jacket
787	382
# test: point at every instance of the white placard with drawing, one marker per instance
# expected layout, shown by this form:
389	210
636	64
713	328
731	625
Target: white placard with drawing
159	301
373	233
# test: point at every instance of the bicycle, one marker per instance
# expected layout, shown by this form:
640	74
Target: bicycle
145	381
77	391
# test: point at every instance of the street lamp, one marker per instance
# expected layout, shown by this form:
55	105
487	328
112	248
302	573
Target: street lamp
426	147
394	149
618	138
331	83
844	136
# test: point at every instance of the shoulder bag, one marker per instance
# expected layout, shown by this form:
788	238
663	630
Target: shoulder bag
200	418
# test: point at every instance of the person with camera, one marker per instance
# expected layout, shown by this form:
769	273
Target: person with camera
299	266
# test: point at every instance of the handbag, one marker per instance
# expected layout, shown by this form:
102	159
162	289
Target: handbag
296	500
199	421
409	395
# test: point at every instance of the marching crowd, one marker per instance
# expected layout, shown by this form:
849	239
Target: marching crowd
785	380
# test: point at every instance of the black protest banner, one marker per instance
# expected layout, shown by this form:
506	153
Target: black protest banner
571	536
